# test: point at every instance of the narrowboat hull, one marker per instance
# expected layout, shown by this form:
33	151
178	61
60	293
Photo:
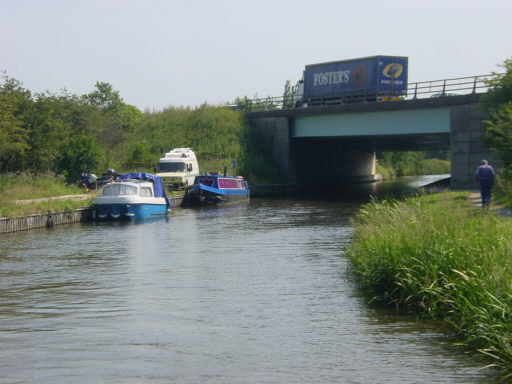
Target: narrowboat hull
202	195
214	189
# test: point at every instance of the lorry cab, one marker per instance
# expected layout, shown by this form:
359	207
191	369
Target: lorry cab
178	168
298	93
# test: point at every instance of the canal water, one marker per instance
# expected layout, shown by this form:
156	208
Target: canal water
254	293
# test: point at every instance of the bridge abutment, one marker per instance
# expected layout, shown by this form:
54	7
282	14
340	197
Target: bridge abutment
467	146
275	133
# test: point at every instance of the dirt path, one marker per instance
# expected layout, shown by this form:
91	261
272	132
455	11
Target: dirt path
476	201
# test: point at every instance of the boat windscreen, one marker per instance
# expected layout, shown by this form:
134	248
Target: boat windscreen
146	192
119	190
171	167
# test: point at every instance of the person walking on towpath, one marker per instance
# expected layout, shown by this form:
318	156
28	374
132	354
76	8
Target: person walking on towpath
485	175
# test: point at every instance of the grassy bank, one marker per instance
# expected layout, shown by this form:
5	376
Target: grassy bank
25	187
438	257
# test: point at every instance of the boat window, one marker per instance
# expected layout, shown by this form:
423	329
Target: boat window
146	192
119	190
127	190
108	190
171	167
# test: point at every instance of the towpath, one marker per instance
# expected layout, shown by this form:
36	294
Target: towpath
64	197
476	201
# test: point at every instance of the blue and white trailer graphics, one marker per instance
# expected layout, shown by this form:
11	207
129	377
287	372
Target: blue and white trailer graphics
365	79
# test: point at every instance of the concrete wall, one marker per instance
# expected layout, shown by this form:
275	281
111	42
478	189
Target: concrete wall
275	132
44	220
467	144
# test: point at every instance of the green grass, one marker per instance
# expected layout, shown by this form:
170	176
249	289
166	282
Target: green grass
502	191
24	187
441	259
11	210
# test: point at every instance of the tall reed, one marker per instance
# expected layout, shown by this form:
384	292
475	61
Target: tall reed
438	257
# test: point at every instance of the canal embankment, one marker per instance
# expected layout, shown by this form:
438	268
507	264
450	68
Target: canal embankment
440	258
51	219
85	213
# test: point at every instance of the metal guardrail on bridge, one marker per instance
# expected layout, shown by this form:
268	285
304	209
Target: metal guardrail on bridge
418	90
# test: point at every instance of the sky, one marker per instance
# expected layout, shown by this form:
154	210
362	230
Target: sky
162	53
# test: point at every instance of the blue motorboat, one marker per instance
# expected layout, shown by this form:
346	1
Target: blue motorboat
215	189
132	196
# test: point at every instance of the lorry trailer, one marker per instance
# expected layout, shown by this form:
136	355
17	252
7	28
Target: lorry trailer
374	78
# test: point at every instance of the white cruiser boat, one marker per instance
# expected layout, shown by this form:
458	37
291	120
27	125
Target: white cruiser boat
132	196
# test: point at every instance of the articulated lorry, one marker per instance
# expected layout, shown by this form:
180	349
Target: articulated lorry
375	78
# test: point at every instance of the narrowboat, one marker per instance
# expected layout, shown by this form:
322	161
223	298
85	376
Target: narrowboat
213	189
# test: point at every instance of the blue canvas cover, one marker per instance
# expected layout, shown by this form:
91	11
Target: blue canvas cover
157	183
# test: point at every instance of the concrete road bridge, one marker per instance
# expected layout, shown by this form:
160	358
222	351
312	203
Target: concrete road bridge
336	144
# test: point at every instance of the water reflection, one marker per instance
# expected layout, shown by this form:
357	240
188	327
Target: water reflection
255	293
396	188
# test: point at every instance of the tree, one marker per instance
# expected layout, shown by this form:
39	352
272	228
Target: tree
81	153
104	97
49	127
498	128
117	118
140	157
500	88
14	102
498	103
13	135
288	95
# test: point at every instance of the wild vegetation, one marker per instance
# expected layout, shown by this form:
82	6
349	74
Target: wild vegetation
498	103
456	268
66	134
16	188
396	164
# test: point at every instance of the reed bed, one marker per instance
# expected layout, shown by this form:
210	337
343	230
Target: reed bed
440	258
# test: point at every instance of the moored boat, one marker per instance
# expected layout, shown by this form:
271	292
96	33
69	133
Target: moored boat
133	196
215	189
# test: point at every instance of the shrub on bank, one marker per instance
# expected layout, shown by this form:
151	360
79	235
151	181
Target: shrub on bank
438	257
